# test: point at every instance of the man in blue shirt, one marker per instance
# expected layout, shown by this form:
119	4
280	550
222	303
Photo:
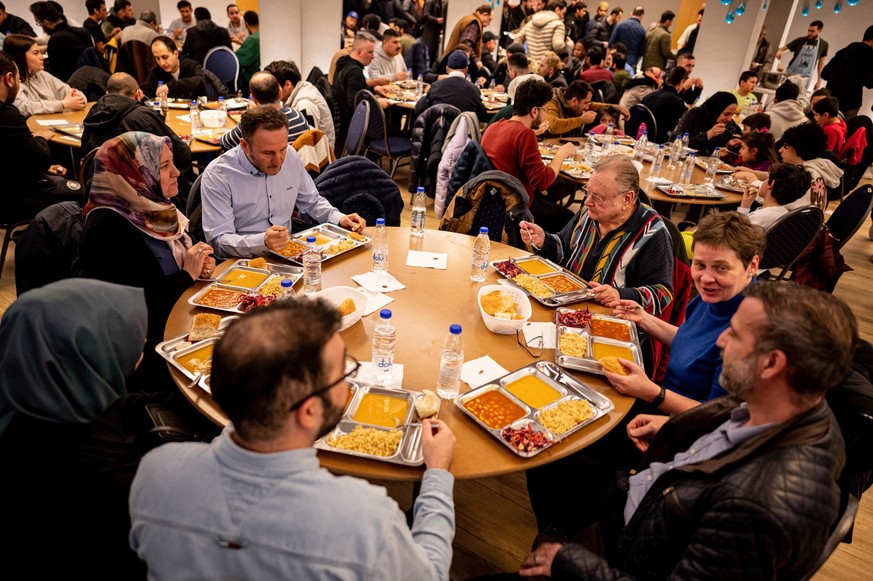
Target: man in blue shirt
728	489
250	192
254	503
632	34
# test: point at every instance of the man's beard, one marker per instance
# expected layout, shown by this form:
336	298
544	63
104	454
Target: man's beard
738	378
332	415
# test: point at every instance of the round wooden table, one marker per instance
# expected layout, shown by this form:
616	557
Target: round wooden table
177	125
432	300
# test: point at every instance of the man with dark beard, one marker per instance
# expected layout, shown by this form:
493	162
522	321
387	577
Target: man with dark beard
742	486
254	503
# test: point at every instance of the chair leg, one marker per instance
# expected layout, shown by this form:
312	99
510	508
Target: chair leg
394	163
7	238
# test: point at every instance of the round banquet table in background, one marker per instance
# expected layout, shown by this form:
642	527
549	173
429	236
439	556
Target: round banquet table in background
432	300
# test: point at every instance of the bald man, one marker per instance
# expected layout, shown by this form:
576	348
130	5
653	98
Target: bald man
121	110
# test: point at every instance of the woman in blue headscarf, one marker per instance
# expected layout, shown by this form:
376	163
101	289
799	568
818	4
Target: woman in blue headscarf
135	236
67	351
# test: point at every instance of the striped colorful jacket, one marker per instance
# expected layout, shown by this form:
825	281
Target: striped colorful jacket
636	257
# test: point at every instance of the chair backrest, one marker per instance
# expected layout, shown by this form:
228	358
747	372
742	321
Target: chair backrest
356	184
357	129
314	150
640	114
377	129
314	75
850	153
48	250
86	170
135	58
841	528
850	214
224	64
854	173
326	91
193	210
608	92
789	236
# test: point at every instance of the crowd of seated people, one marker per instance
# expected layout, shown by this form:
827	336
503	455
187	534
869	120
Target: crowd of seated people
740	401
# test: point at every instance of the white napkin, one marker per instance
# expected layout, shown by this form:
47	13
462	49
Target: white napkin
480	371
427	259
375	301
534	330
368	372
659	181
52	122
378	282
184	118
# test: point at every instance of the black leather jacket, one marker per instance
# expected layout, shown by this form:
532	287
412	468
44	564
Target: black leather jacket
760	511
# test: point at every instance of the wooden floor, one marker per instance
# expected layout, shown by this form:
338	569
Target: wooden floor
495	525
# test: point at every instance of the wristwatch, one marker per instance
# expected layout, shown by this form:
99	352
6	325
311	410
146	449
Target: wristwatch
659	399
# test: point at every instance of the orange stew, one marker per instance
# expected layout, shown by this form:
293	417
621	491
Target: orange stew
561	283
494	409
609	329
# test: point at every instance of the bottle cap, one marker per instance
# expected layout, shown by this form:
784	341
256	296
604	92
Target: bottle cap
380	221
455	329
286	283
483	230
310	239
160	83
661	146
385	314
419	190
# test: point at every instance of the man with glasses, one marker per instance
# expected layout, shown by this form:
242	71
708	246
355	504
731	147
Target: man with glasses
615	242
254	503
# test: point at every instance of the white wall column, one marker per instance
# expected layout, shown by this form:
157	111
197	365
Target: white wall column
304	31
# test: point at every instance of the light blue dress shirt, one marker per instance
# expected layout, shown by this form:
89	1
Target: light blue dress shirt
241	202
726	437
219	511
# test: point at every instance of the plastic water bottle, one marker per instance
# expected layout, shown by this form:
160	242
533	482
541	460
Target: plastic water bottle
380	247
712	166
641	130
194	114
384	339
409	73
419	86
162	102
492	85
287	292
685	141
451	361
655	170
419	210
641	147
687	169
311	267
222	106
675	152
589	149
610	129
481	250
469	78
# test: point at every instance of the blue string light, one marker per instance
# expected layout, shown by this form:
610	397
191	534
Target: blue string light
837	7
819	4
741	9
730	17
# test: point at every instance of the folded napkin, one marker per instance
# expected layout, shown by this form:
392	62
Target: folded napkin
659	181
368	372
375	301
378	282
427	259
532	332
481	371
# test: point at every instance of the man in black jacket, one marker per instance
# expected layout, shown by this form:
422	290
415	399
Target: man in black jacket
204	36
11	24
849	72
183	78
455	89
120	110
666	104
31	181
735	490
66	43
349	79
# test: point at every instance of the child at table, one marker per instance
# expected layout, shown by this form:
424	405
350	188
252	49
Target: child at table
785	183
827	114
757	151
755	123
607	115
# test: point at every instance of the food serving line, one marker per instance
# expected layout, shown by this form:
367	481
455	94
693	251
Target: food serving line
508	400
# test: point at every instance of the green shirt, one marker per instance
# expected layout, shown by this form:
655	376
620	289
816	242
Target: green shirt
249	56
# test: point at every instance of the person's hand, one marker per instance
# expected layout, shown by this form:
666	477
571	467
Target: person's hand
381	81
382	90
115	32
74	100
195	258
440	20
566	150
642	429
605	294
637	384
499	89
817	85
539	562
588	117
437	444
624	111
46	134
383	102
750	194
57	170
208	265
401	76
353	222
276	238
628	310
178	32
733	143
480	81
723	152
543	128
744	175
778	54
162	91
532	234
716	130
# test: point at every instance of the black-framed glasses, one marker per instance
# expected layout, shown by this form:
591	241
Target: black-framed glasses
536	343
352	367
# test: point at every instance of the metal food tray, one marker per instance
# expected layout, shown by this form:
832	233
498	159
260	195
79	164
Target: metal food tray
557	299
335	233
408	452
728	169
273	271
729	186
172	349
588	363
569	387
692	191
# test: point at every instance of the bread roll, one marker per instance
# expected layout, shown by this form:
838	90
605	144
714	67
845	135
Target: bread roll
258	263
204	326
613	365
427	405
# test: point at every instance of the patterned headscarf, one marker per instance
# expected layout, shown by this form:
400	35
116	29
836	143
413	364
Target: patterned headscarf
127	179
67	350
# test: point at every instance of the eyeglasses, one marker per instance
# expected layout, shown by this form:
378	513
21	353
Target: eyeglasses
352	367
536	343
597	198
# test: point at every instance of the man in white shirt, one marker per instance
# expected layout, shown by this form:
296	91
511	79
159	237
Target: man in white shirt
304	97
388	63
785	183
235	26
178	29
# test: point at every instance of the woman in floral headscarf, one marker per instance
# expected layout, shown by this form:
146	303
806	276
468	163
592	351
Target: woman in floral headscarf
135	236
